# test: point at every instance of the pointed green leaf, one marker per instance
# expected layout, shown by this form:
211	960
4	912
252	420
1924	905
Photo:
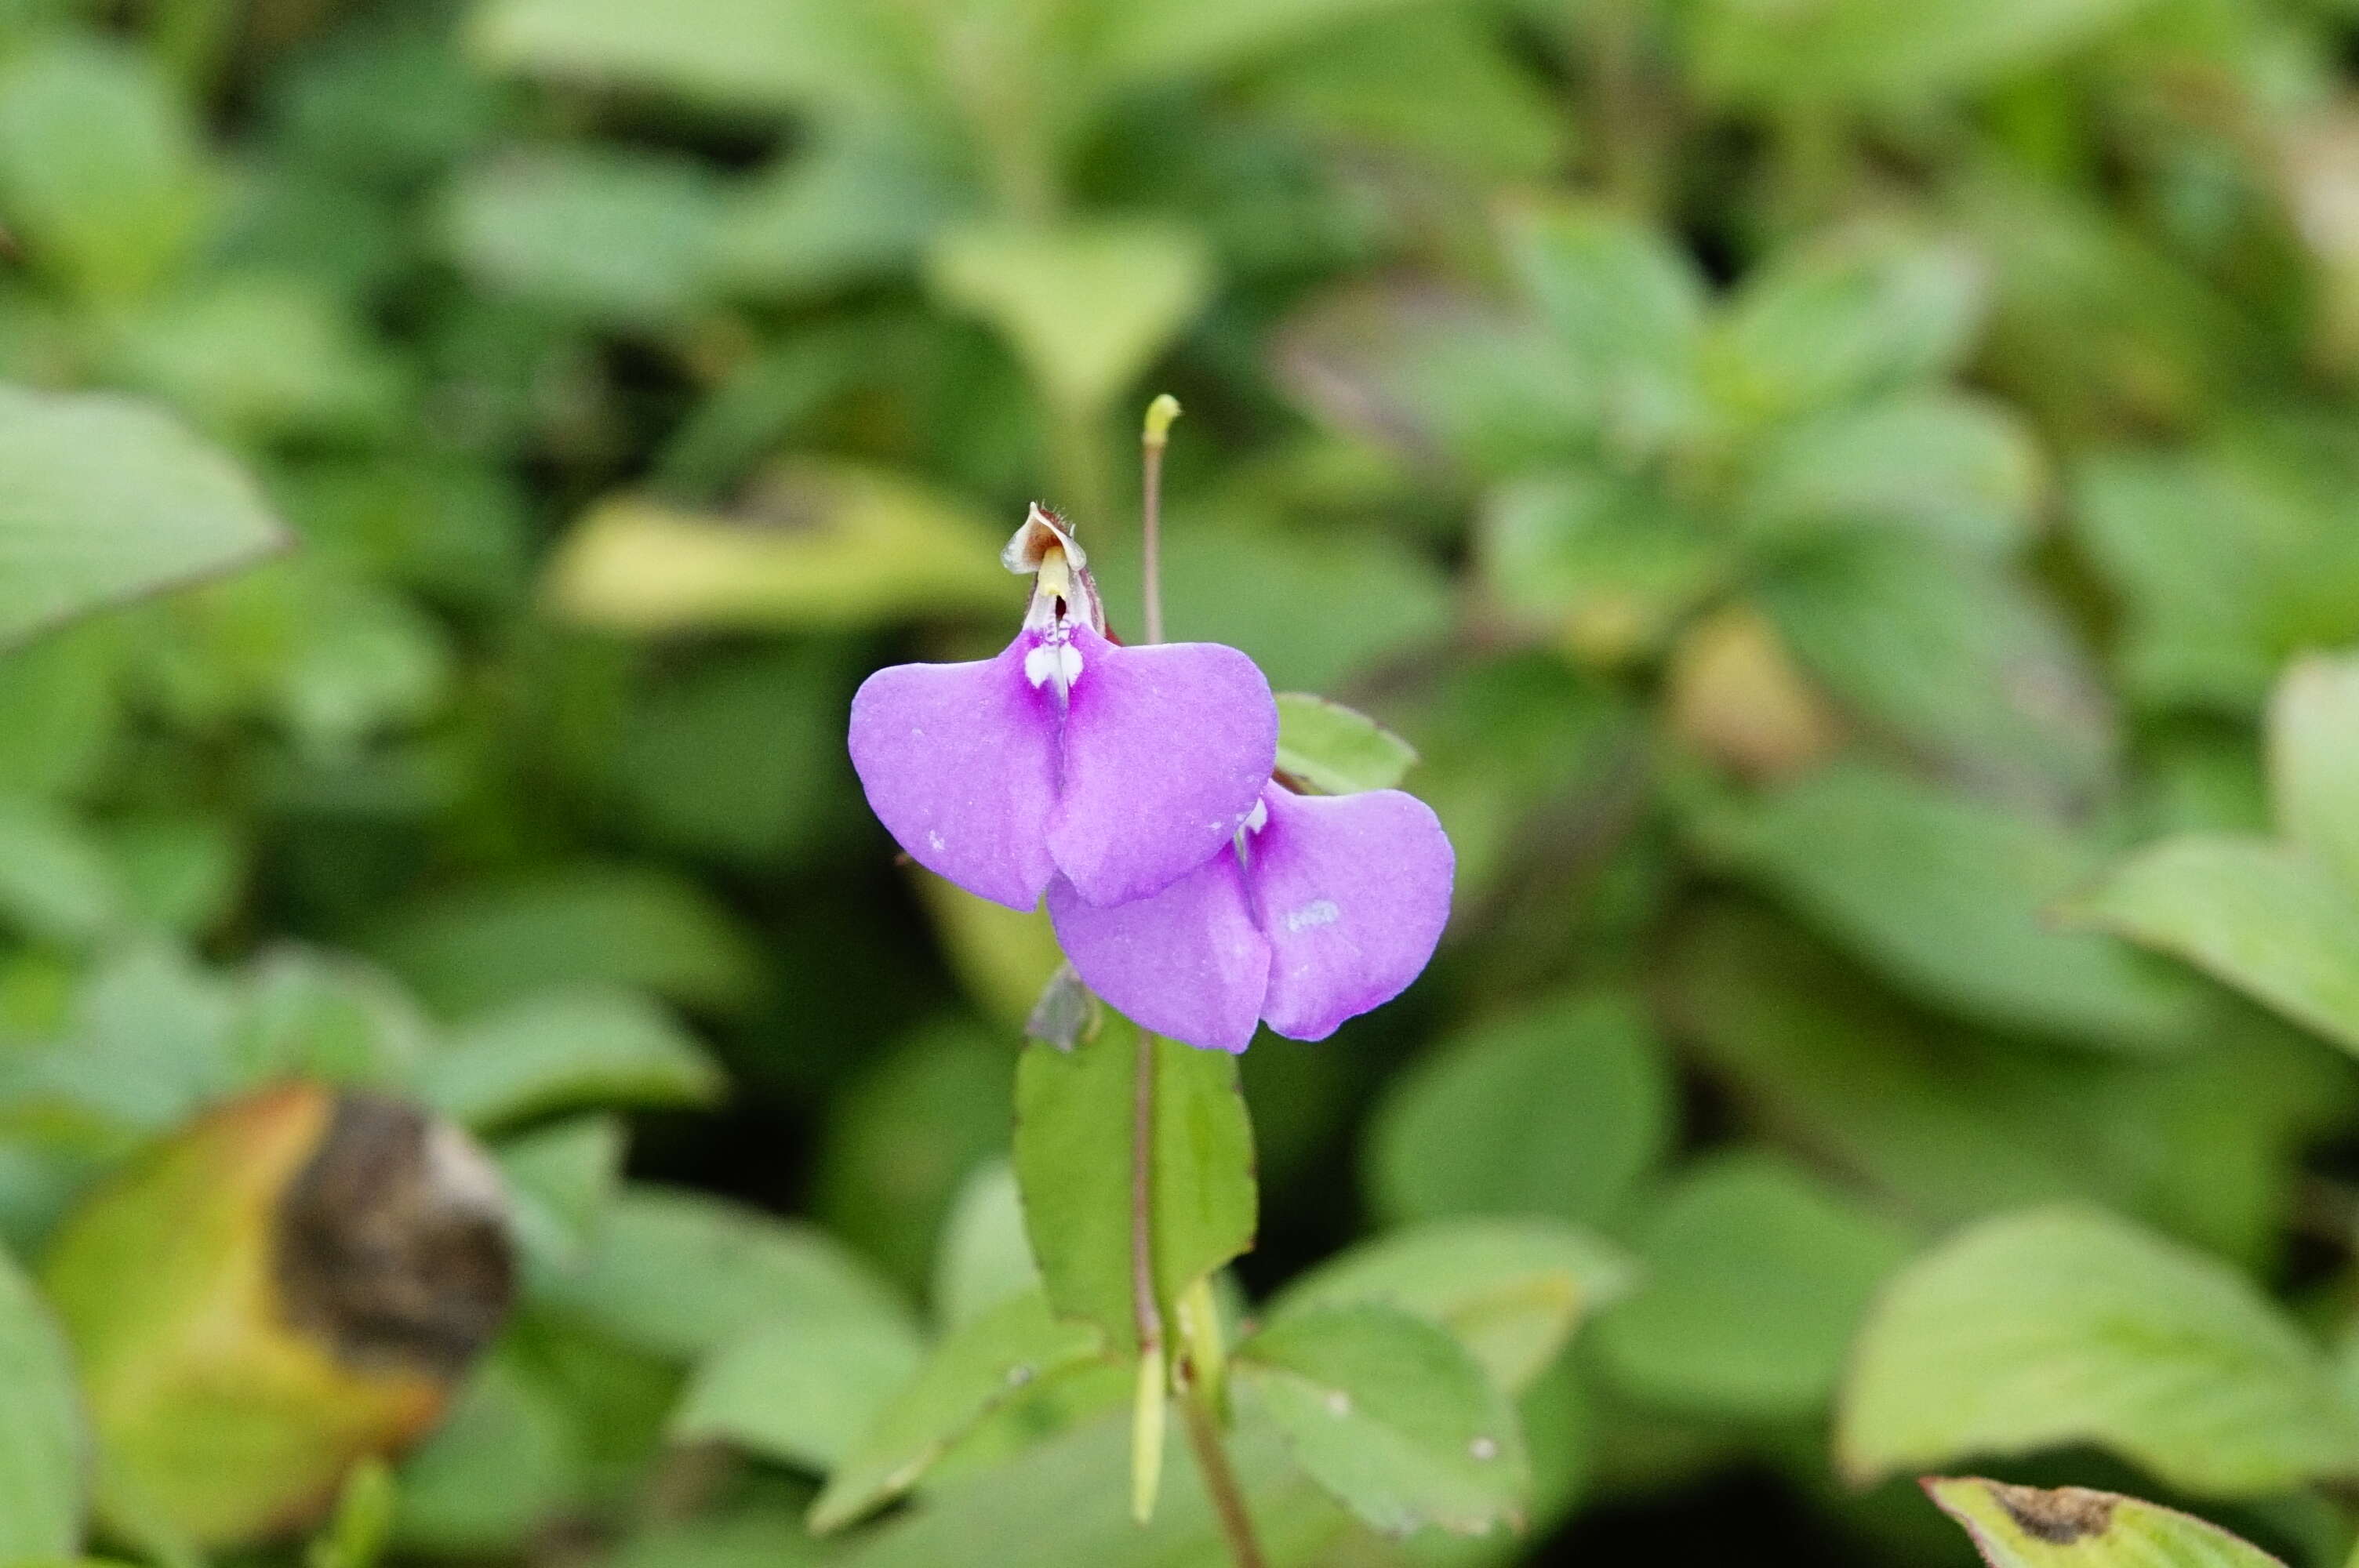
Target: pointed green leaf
1512	1290
564	1049
753	54
979	1365
1085	307
1073	1118
1754	1275
2255	914
561	1180
800	1389
680	1275
1557	1111
2072	1527
1393	1416
1960	660
1336	750
2067	1326
105	500
1951	899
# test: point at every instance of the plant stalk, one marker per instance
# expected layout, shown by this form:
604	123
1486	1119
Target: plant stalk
1147	1412
1153	437
1228	1498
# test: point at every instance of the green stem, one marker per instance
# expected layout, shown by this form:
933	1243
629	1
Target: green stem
1228	1498
1147	1415
1153	437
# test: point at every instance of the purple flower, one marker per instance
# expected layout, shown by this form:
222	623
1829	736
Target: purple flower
1120	769
1325	907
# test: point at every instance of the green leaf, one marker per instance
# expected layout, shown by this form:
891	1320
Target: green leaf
103	500
857	204
505	1460
41	1441
1337	749
1608	564
1511	1290
587	924
764	1534
2224	565
818	545
1554	1112
56	881
1867	313
1073	1150
1392	1415
1880	56
801	1390
752	54
560	1050
2253	914
2068	1326
983	1257
906	1131
624	240
680	1274
253	357
1628	306
1434	376
2313	732
1950	899
560	1181
99	166
1955	657
981	1365
1065	1503
2072	1527
1085	307
1442	87
1150	39
1949	1126
313	1014
1752	1276
1962	469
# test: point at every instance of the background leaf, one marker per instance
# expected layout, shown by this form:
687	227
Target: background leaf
103	500
1393	1416
2067	1326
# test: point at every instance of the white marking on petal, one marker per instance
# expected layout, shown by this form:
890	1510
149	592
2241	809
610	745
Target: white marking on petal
934	842
1068	664
1259	817
1040	663
1318	912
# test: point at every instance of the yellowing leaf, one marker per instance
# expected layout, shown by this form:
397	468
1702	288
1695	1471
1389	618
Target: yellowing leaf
823	546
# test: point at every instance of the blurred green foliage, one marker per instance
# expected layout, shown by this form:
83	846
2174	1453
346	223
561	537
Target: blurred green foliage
1851	503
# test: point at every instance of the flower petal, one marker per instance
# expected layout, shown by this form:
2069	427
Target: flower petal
1353	892
1186	962
1167	748
960	763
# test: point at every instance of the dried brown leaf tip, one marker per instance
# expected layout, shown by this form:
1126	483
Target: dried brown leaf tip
2059	1517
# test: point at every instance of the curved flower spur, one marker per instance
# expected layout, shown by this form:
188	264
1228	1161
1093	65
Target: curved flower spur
1122	768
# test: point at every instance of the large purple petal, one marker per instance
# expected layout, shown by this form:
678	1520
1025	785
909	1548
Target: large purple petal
960	763
1186	962
1167	748
1353	892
